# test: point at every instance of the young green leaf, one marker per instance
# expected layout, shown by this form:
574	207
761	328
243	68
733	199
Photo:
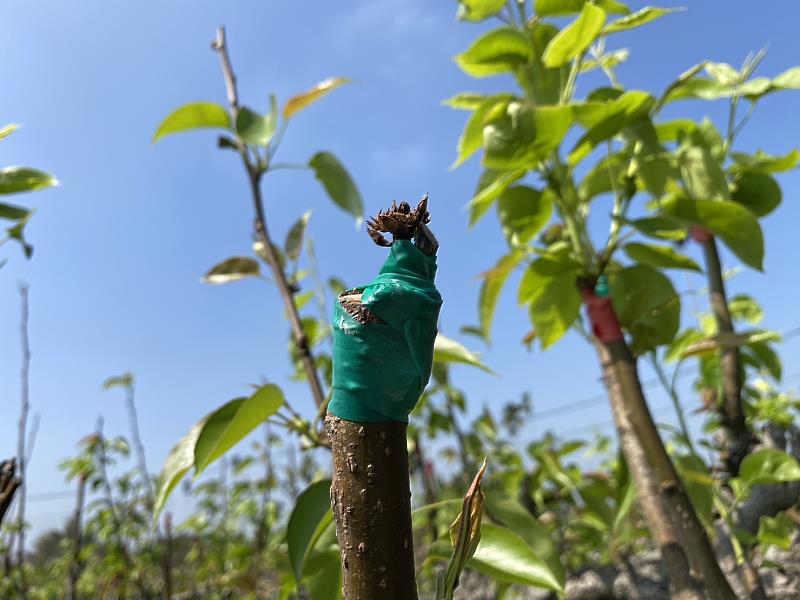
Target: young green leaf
472	136
776	531
7	130
491	184
231	423
125	380
549	288
563	8
700	171
498	51
465	535
757	191
465	101
337	182
232	269
178	463
254	128
14	180
660	257
637	19
197	115
572	41
13	213
730	221
769	465
478	10
523	212
297	103
745	308
446	350
766	163
312	509
493	281
294	239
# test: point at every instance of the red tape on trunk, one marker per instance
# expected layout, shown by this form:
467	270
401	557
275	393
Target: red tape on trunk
605	324
701	235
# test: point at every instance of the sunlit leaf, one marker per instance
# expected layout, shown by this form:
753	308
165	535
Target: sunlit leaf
232	269
498	51
637	19
756	190
446	350
178	463
491	184
575	38
478	10
730	221
523	212
197	115
124	380
24	179
301	101
231	423
13	213
661	257
769	465
7	130
562	8
254	128
493	281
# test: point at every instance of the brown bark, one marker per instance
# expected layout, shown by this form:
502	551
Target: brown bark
663	530
371	501
736	438
628	398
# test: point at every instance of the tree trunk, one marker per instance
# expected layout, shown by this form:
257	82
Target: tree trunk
736	438
371	501
630	408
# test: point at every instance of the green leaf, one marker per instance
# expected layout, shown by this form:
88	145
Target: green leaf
231	423
125	380
730	221
311	510
297	103
491	184
337	182
8	130
232	269
178	463
757	191
497	51
663	228
660	257
522	135
616	115
503	555
744	308
541	85
493	281
472	136
465	101
699	486
17	232
723	73
700	171
512	514
23	179
254	128
604	177
769	465
575	38
523	211
323	576
294	239
197	115
637	19
776	531
478	10
766	358
562	8
647	305
763	162
607	61
13	213
548	287
446	350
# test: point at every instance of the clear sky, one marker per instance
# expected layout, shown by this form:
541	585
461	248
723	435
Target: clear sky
121	245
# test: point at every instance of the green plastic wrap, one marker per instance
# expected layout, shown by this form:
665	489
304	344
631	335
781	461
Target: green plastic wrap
381	369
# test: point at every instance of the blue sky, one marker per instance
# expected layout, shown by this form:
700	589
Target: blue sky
121	245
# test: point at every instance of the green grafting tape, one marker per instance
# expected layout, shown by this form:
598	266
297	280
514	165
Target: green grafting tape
380	369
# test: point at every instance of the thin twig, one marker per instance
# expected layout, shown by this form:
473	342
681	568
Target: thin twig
21	439
254	174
